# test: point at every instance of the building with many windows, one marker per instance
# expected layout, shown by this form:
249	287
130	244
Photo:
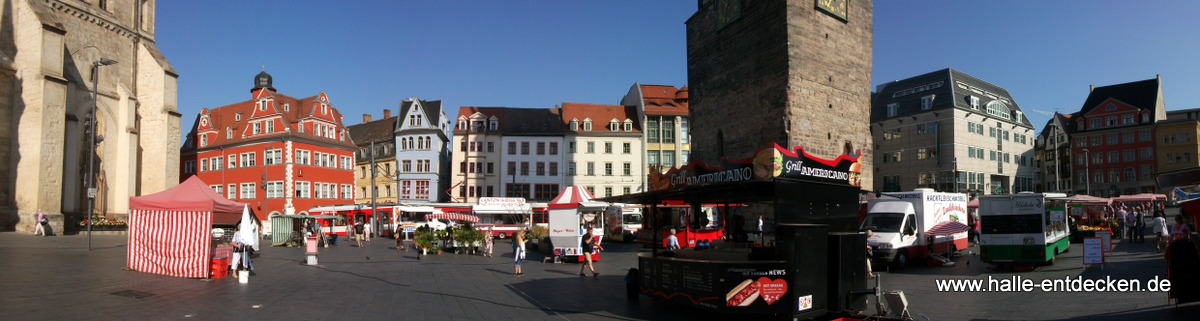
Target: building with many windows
1053	154
604	149
281	155
663	113
1113	138
376	142
944	127
507	152
423	137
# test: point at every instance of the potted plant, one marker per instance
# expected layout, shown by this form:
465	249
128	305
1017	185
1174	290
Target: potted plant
424	240
538	233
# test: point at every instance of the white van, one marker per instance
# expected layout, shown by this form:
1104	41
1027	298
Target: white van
899	225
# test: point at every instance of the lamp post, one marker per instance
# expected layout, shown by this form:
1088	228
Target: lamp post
91	128
1087	173
955	171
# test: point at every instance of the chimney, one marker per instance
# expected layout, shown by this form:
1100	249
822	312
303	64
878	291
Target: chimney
1091	88
366	118
387	113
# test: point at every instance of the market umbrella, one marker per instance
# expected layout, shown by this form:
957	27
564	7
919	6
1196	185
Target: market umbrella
947	228
973	203
1085	200
452	216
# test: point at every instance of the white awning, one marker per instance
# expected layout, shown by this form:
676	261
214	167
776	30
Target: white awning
503	209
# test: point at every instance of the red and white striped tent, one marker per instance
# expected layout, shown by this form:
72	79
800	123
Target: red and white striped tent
574	197
452	216
170	232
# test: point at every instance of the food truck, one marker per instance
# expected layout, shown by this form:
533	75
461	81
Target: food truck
915	224
1026	228
816	266
571	213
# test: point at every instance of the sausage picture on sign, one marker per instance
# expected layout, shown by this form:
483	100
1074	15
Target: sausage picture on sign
743	294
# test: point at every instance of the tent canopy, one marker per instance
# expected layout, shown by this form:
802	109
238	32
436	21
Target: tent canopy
1085	200
1144	197
575	197
192	195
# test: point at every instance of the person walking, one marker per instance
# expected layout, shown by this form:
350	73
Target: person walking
1159	227
870	252
40	229
588	248
488	240
358	232
761	239
672	241
367	230
1120	218
1139	226
518	253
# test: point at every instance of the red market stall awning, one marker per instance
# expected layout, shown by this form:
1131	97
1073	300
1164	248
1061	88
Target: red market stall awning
1144	197
947	228
452	217
170	232
974	203
1085	200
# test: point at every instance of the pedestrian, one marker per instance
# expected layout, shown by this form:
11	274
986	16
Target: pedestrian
1140	226
367	230
40	229
761	240
488	240
1180	231
518	253
672	241
400	243
1120	218
358	232
1159	227
243	248
870	253
588	250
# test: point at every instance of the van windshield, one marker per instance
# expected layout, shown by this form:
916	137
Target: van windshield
632	218
884	222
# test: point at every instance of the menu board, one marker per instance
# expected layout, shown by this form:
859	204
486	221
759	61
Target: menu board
1106	236
738	287
1093	251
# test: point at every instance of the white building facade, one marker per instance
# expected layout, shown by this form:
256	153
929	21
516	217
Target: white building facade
422	151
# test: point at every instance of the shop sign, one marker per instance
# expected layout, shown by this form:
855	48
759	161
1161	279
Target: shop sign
767	163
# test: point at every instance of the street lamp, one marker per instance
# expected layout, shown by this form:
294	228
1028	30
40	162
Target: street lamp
91	128
1087	173
955	171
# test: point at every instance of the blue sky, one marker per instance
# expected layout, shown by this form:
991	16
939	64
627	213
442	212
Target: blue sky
370	55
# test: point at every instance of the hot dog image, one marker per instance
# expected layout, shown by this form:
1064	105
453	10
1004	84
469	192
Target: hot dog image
743	294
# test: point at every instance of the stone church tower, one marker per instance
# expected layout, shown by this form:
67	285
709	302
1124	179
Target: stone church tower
49	50
794	72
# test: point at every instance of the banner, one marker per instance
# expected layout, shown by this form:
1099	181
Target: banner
767	164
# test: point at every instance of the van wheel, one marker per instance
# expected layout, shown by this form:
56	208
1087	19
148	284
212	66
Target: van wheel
901	259
503	236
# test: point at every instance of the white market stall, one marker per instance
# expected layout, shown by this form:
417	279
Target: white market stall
570	214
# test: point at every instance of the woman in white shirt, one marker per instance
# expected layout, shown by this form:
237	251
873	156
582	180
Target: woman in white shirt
1159	225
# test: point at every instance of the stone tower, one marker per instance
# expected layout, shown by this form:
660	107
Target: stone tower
794	72
49	50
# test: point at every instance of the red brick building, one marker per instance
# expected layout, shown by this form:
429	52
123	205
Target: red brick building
279	154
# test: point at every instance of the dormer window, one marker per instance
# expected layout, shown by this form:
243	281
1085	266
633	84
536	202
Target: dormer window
262	105
203	140
587	125
477	125
229	133
324	109
257	128
300	127
613	125
1145	117
462	124
237	117
574	125
493	124
628	125
287	106
974	101
270	126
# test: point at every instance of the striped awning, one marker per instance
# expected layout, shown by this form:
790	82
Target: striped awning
451	216
947	228
173	243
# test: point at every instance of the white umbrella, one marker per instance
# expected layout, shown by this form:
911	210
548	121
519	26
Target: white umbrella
247	226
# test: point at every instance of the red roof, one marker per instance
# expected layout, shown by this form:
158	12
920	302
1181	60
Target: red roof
283	111
665	100
601	116
192	195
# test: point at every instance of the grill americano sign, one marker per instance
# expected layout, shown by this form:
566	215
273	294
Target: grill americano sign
767	163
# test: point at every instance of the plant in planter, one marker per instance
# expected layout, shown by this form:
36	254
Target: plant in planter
425	240
538	233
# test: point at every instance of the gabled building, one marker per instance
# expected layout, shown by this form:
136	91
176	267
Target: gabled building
1053	154
1113	138
663	113
604	148
423	137
376	142
952	132
281	155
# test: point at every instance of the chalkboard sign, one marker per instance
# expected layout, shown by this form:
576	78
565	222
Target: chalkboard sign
1093	250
